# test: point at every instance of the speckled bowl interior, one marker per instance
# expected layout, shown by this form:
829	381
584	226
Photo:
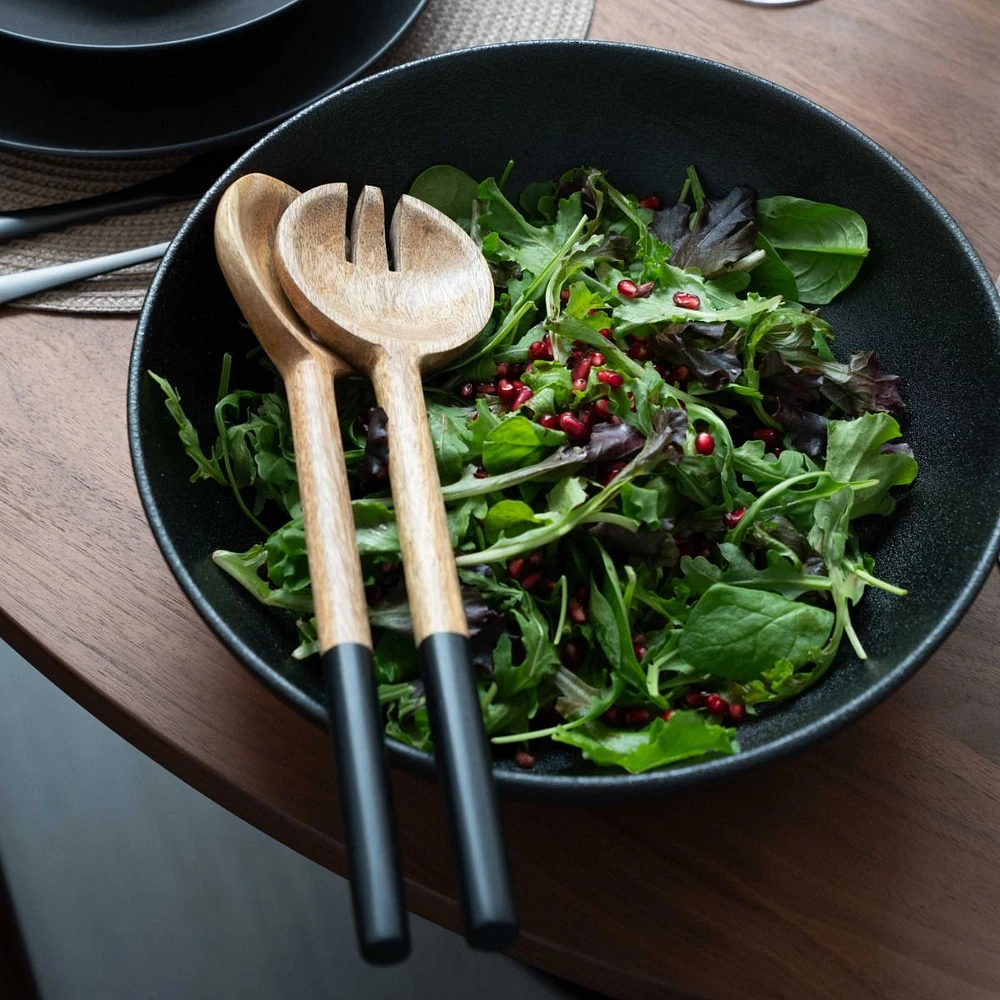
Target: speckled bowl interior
550	106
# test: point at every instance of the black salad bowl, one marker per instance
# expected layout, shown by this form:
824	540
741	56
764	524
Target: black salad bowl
479	108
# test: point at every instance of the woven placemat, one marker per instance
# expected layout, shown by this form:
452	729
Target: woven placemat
27	180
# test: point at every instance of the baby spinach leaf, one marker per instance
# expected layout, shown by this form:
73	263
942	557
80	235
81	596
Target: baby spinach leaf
518	441
507	515
823	245
736	634
686	735
856	450
449	190
772	276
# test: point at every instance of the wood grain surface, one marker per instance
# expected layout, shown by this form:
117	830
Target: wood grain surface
865	867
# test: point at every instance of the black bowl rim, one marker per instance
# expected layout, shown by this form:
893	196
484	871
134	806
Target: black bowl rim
58	44
221	139
526	784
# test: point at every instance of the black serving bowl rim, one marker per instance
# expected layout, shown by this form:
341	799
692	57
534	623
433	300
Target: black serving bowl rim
526	784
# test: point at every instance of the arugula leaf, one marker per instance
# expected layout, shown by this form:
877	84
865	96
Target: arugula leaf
449	190
508	514
659	307
736	634
686	735
206	468
781	576
823	245
451	437
540	656
857	450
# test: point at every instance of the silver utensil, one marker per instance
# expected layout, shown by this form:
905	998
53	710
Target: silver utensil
17	286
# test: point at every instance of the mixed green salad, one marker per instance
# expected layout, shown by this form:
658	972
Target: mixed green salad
652	461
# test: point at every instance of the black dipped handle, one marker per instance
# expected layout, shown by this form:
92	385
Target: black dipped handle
365	803
466	773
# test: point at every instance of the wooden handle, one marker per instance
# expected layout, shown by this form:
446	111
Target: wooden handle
460	748
334	567
428	564
348	669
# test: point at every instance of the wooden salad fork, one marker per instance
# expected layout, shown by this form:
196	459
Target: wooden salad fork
393	324
246	222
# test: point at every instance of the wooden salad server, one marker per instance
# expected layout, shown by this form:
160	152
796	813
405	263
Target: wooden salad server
246	222
393	323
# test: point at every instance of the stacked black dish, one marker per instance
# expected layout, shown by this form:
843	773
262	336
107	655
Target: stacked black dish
136	77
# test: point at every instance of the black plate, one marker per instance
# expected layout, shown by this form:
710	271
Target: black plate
129	23
210	93
923	301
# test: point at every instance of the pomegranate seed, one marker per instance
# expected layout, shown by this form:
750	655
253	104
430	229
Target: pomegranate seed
696	699
733	517
681	375
705	553
704	443
597	359
505	390
577	612
613	379
564	295
716	704
536	559
374	595
640	651
640	350
481	473
602	410
644	289
582	592
574	428
547	587
606	333
614	420
636	716
612	717
467	390
516	568
653	202
529	367
486	389
571	654
775	451
579	385
531	580
504	369
610	472
522	397
768	435
628	288
540	350
685	300
667	715
524	759
550	421
582	370
737	713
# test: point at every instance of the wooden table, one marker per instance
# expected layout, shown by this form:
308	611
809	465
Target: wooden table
866	867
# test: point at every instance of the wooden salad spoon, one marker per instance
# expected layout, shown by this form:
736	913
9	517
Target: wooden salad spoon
246	222
393	324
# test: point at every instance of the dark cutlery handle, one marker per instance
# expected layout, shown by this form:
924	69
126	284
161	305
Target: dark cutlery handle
466	772
366	805
26	221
